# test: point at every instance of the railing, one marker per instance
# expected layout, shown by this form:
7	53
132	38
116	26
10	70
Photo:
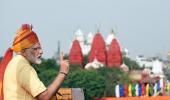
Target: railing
137	98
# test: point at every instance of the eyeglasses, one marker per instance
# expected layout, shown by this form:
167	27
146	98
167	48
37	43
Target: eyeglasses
35	48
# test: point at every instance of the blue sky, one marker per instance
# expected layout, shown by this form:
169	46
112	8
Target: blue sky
142	26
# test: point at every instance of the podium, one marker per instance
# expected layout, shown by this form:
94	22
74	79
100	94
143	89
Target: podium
69	94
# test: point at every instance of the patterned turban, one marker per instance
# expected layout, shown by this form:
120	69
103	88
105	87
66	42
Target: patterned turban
25	38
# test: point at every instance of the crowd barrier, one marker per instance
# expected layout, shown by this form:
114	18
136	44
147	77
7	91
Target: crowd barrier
137	98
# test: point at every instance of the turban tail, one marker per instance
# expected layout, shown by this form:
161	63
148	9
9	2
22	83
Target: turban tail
24	39
3	64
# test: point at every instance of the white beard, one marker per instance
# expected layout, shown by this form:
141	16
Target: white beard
33	59
38	61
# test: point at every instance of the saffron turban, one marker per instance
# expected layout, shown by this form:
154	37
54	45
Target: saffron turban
25	38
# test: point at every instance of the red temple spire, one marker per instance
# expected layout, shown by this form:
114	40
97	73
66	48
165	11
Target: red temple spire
75	55
98	49
114	55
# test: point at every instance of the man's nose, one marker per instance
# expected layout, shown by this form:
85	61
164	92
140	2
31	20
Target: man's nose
41	51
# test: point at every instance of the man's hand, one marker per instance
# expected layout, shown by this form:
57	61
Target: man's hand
53	88
64	64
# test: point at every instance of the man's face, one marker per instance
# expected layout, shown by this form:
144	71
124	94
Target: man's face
34	53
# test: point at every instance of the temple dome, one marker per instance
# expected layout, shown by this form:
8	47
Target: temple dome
90	38
110	37
79	35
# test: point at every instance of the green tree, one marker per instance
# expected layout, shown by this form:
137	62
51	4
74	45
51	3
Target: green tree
96	83
85	59
89	80
111	75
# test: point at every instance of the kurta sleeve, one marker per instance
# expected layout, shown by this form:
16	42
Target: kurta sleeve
30	81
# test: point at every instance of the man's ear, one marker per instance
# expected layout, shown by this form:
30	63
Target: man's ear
22	52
